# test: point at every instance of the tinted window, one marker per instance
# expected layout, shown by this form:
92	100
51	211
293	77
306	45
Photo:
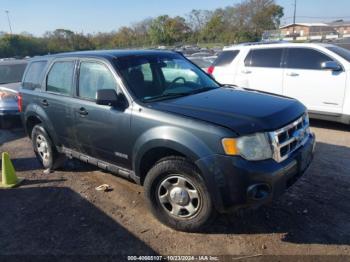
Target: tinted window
60	78
264	57
11	73
225	58
344	53
34	75
303	58
92	77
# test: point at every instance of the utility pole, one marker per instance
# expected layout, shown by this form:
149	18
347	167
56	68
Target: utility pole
295	12
8	19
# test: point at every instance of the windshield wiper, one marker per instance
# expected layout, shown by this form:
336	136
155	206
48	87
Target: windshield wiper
201	90
164	96
171	95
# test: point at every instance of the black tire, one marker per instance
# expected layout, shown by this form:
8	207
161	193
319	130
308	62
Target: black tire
165	169
53	160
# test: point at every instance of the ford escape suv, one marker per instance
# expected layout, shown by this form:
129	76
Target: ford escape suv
318	75
156	118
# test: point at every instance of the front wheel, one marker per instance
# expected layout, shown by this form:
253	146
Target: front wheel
44	149
177	195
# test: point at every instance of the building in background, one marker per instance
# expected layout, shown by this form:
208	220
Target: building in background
310	31
306	29
342	27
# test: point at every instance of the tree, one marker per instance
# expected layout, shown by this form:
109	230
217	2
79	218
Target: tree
197	19
125	37
256	16
167	30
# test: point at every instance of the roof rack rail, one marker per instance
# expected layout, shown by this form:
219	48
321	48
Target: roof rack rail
259	43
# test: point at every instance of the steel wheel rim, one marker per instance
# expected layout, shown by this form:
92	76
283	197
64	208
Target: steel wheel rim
179	197
42	147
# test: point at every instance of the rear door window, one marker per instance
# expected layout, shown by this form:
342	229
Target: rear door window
306	58
226	57
60	77
94	76
11	73
270	57
34	75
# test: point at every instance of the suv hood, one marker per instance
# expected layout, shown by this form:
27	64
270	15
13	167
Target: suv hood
244	112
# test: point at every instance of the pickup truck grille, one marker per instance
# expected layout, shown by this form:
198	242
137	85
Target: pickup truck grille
289	138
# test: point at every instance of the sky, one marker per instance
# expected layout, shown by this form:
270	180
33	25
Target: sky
91	16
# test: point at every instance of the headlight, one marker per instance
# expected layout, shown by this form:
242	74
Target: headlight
254	147
4	95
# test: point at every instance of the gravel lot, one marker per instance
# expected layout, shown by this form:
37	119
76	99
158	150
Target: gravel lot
62	214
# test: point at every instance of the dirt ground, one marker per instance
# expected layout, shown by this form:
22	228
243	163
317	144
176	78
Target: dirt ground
62	214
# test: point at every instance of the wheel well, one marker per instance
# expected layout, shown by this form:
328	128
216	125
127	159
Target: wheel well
153	156
32	121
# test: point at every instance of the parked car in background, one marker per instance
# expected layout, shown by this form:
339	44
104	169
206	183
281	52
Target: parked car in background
316	74
202	62
155	118
11	73
202	54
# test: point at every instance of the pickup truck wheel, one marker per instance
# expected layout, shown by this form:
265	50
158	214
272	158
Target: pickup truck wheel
44	149
177	195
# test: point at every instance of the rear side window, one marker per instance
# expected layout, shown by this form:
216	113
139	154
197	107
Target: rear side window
60	77
11	73
225	58
92	77
305	58
34	75
271	57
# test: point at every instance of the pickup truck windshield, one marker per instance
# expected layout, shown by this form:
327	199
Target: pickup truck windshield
11	73
159	77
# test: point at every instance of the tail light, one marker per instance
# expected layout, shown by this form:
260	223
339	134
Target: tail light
19	102
210	70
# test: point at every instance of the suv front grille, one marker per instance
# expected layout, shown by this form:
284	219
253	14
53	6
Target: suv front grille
289	138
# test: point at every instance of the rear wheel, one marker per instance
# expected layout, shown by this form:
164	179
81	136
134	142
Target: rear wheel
177	195
44	149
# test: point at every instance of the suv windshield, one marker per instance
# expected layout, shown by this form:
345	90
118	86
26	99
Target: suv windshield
344	53
159	77
11	73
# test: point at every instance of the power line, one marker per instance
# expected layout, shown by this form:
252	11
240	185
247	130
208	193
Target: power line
8	19
295	12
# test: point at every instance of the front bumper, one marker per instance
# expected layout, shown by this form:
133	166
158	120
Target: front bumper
236	183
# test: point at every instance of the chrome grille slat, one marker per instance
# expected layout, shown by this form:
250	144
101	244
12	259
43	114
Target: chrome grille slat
289	138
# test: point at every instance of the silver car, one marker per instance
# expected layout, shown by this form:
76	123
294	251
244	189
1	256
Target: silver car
11	72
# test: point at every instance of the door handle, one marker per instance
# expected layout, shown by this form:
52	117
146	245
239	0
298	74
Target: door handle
246	71
44	102
292	74
83	111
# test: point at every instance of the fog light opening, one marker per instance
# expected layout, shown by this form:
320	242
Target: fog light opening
258	192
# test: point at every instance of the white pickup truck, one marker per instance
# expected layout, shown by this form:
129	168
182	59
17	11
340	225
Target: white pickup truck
316	74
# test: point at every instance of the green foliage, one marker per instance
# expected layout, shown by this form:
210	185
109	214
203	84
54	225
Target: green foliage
167	30
242	22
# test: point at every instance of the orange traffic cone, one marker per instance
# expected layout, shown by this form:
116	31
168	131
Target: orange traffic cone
9	178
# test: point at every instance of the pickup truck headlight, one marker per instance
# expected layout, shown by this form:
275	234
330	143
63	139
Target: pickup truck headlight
253	147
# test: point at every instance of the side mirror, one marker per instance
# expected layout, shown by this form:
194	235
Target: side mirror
331	65
108	97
